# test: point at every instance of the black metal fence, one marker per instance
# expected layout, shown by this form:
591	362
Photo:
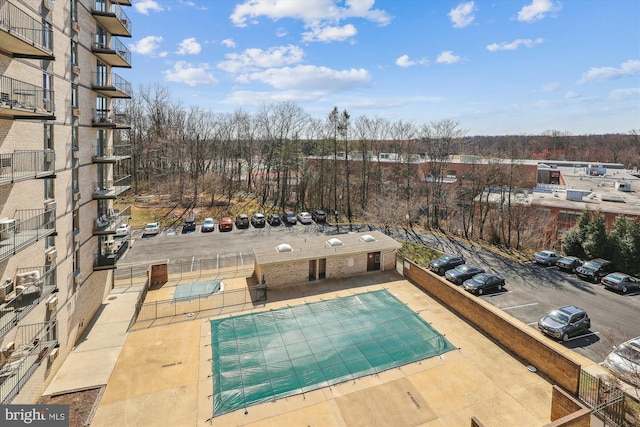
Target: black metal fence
608	401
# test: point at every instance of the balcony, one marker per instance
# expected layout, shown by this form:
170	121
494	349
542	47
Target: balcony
111	51
111	85
111	249
107	223
25	228
105	119
123	2
25	165
22	35
111	154
111	189
32	345
30	286
110	15
21	100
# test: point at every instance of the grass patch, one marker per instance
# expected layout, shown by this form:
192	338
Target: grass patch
419	254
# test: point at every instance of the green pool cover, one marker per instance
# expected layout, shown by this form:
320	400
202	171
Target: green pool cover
266	356
196	289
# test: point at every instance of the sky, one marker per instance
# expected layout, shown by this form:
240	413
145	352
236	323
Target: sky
496	67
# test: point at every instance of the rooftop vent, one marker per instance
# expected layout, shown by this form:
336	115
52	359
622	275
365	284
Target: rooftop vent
284	247
334	242
367	238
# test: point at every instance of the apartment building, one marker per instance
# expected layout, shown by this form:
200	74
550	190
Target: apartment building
62	106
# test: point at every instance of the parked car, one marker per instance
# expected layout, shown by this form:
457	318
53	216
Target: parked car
242	221
620	282
225	224
274	219
123	229
445	262
483	282
624	361
304	218
289	217
189	226
151	229
595	269
461	273
565	322
258	220
208	225
319	216
547	258
569	263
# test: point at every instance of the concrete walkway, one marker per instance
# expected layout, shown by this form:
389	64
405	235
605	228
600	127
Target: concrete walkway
91	362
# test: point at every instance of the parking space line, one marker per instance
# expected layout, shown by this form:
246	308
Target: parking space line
519	306
532	323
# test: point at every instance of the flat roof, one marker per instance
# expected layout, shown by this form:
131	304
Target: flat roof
318	247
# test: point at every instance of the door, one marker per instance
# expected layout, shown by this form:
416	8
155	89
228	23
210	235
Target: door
373	261
312	270
322	268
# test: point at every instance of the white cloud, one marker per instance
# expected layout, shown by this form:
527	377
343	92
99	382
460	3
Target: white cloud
329	33
620	94
405	62
537	10
189	47
572	95
252	59
145	6
550	87
228	43
148	46
629	68
447	57
190	74
514	44
462	15
310	77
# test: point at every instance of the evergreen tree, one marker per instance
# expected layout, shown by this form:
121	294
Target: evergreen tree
596	244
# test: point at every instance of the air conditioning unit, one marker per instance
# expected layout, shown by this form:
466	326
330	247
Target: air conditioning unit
50	205
53	354
7	290
75	154
51	255
52	303
75	70
76	112
76	27
49	4
76	196
77	279
49	156
76	238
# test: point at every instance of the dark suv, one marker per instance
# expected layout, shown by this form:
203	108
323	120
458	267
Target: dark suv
444	263
595	269
189	226
242	221
565	322
319	215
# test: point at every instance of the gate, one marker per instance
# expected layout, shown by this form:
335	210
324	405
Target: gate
605	398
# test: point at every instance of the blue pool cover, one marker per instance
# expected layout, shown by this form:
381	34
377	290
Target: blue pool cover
196	289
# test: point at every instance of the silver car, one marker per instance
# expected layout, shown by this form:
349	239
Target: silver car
548	258
565	322
624	362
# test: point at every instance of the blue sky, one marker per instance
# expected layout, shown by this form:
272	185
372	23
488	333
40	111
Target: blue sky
496	67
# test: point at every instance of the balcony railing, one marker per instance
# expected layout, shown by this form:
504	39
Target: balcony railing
110	252
25	228
24	100
111	16
23	35
25	165
111	154
111	50
111	85
31	285
108	222
110	189
32	345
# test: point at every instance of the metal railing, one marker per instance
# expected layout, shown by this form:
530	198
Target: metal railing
24	165
112	220
18	22
607	400
112	187
18	94
25	228
112	80
106	6
108	151
105	42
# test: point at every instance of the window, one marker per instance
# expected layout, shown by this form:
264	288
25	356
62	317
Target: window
74	138
48	137
46	91
74	52
49	242
75	184
49	189
74	96
74	10
102	75
47	35
102	111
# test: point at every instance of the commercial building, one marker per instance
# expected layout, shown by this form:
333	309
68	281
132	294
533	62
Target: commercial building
61	108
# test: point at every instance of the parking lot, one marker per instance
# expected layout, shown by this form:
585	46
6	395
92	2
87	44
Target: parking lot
530	291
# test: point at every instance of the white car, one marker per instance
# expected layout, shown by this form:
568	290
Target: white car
151	229
123	229
624	361
305	218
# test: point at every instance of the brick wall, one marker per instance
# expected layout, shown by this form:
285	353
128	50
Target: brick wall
567	411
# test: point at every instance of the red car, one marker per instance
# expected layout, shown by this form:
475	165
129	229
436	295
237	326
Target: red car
225	224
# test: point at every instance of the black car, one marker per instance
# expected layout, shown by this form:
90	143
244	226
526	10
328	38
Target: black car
242	221
565	322
189	226
444	263
595	269
569	263
274	219
319	216
258	220
462	272
480	283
